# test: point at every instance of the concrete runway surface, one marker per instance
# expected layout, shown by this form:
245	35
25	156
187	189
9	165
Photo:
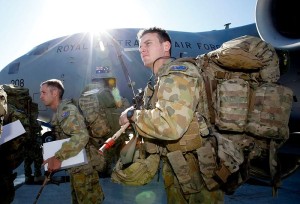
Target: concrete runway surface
152	193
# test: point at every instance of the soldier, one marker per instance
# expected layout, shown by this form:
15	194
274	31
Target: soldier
33	150
7	191
21	107
67	122
168	119
12	155
101	111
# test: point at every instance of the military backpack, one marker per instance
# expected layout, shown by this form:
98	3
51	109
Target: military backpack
101	108
249	111
19	107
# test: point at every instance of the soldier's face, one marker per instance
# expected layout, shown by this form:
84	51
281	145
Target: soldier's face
151	49
46	95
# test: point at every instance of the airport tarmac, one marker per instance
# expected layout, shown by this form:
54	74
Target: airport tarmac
153	193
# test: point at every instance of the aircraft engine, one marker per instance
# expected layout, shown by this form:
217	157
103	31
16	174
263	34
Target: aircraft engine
277	23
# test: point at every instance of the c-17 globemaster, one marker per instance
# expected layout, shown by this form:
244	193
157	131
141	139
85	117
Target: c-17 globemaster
73	58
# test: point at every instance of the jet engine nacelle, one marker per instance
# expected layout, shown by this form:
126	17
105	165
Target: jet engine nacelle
277	23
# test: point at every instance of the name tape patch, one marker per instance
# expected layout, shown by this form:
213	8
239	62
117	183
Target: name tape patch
178	68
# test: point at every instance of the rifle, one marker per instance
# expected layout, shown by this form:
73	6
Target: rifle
138	100
111	141
47	179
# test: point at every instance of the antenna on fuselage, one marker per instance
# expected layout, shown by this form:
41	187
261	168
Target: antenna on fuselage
227	25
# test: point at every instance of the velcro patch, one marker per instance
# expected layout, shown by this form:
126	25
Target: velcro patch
178	68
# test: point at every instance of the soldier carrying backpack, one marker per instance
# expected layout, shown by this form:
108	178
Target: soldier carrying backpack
19	106
101	106
210	115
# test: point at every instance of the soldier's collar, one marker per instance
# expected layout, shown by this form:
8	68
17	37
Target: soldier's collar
163	67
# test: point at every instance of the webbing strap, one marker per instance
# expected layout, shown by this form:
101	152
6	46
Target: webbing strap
209	99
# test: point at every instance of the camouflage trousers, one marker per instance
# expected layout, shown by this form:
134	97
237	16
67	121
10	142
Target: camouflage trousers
86	189
174	191
33	155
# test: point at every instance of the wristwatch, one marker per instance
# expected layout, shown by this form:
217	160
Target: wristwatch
130	114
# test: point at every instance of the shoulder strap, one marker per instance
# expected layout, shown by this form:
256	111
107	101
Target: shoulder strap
208	89
209	86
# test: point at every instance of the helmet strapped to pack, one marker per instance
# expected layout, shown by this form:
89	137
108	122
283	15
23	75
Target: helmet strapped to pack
139	173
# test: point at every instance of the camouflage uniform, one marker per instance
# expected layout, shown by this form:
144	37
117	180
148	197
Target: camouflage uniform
33	155
169	121
7	190
102	120
12	155
68	123
33	152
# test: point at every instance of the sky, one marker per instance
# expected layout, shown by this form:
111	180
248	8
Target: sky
28	23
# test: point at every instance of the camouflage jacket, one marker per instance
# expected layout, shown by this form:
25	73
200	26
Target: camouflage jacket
179	92
69	123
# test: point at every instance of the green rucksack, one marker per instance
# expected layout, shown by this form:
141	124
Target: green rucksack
19	98
101	108
19	107
100	111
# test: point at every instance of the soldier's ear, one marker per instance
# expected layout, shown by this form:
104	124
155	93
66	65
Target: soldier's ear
55	92
167	46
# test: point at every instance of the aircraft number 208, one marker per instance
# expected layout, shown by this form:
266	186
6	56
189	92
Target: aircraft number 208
18	82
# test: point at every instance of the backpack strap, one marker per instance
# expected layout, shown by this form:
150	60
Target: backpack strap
187	59
209	85
208	90
274	169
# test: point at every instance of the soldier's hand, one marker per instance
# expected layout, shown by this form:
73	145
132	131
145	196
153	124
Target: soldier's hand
54	164
123	118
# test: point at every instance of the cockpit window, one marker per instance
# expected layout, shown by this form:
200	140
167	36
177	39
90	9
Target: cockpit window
14	68
39	50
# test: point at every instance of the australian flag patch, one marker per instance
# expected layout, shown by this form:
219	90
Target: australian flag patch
178	68
65	114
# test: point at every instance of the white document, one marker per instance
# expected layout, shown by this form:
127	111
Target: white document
11	131
50	148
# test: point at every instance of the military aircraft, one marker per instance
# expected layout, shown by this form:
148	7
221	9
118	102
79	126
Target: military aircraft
74	58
